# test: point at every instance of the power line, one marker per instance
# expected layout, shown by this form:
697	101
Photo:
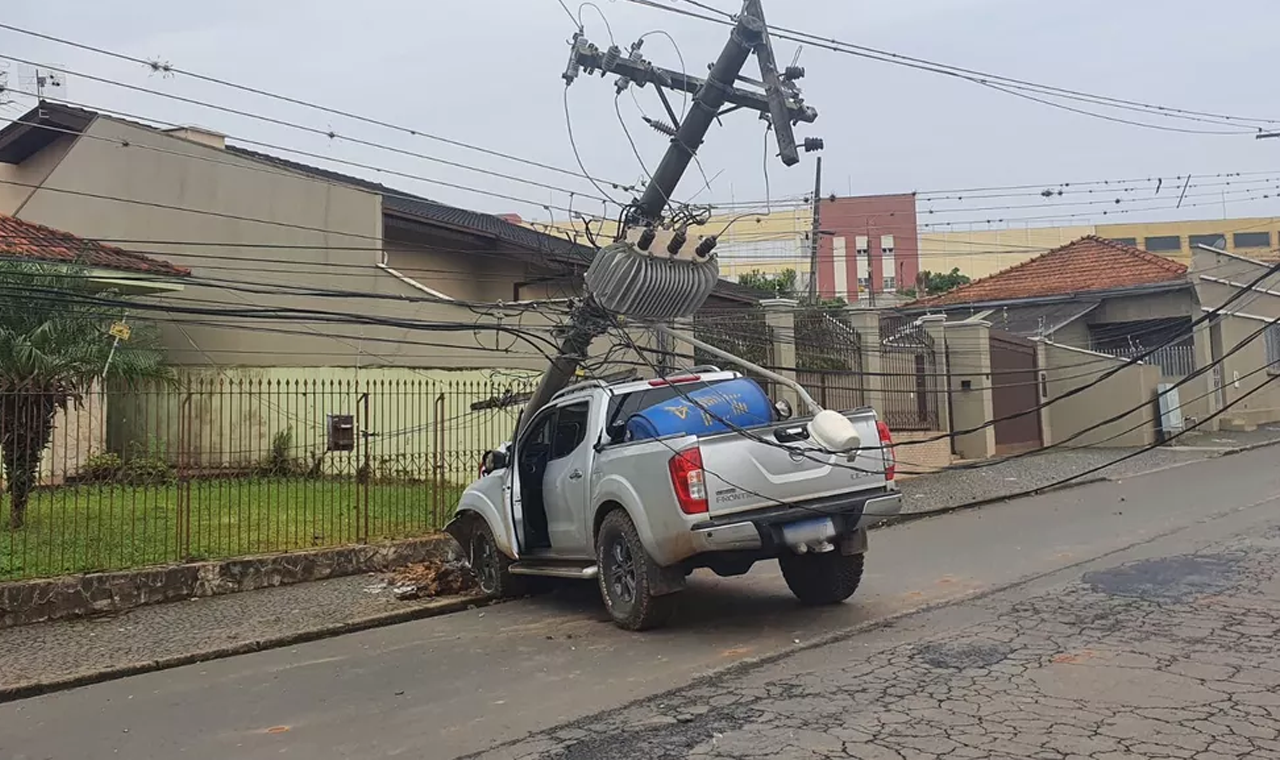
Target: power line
316	156
167	68
983	78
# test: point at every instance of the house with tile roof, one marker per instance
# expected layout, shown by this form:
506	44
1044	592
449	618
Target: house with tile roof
112	267
1091	293
259	230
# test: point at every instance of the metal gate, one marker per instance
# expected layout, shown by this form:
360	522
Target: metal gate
1015	394
909	378
829	360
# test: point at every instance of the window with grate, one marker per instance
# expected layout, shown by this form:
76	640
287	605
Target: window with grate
1126	241
1163	243
1253	239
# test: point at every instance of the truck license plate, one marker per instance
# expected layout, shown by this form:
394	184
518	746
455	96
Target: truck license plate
819	529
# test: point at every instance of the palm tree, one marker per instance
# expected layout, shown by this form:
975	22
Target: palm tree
55	345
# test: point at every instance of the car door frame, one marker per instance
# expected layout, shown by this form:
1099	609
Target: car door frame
515	500
574	541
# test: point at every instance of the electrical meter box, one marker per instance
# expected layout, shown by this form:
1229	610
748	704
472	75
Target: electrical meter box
342	432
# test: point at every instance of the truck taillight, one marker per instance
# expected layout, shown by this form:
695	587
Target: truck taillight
690	482
886	451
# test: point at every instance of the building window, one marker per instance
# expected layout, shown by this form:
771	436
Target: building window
1253	239
1273	349
1126	241
1163	243
888	275
1218	241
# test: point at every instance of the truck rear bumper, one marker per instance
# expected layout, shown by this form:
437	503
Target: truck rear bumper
763	529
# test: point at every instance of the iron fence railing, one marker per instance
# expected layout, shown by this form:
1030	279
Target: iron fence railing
215	467
829	362
745	334
910	383
1176	361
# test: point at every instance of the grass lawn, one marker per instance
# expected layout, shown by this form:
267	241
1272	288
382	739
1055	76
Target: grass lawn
75	529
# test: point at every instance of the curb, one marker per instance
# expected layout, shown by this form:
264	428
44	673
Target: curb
35	689
1247	449
913	516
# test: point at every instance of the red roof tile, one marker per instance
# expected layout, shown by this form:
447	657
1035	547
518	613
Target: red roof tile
1087	265
23	239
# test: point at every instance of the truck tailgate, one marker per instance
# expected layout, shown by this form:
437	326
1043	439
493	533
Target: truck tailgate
743	474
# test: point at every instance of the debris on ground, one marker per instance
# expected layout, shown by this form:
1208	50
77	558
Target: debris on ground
431	579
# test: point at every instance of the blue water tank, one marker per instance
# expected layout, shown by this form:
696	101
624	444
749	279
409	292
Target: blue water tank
739	402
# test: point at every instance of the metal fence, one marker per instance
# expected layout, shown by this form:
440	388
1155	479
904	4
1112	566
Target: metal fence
1176	361
214	468
829	360
909	381
745	334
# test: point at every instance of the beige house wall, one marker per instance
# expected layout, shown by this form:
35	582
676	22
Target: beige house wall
18	181
1218	277
1132	388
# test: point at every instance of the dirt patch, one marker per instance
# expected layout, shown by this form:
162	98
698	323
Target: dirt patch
432	578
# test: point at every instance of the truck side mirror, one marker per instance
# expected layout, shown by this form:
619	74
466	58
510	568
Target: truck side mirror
497	460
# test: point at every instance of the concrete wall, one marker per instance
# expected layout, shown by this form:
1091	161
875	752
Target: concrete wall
1132	388
414	423
79	433
1137	308
244	227
1218	277
33	171
918	452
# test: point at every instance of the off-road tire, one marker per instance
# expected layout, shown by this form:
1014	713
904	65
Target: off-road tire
818	579
492	568
624	577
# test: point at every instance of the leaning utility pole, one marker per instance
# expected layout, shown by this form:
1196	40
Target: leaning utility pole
628	279
815	232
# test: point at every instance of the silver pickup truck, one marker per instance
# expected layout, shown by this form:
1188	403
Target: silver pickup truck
583	495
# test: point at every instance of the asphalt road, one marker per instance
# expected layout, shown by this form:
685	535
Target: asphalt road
477	681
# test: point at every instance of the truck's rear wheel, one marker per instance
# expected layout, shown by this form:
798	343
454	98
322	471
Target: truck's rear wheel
624	568
827	578
491	566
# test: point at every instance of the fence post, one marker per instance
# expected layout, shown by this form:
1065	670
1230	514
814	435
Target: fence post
970	379
867	325
780	316
935	326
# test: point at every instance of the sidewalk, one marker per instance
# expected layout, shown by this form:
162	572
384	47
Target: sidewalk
59	654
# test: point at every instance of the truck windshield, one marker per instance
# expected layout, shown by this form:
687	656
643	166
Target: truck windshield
621	407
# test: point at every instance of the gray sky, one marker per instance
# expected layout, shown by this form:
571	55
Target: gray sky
488	72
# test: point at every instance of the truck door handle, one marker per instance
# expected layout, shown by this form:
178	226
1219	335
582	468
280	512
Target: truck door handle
575	475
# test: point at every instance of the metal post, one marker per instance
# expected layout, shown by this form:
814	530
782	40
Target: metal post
814	234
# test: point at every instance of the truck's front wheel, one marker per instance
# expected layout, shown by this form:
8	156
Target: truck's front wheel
827	578
624	568
491	566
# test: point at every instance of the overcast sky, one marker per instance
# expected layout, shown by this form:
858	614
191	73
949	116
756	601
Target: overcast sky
488	72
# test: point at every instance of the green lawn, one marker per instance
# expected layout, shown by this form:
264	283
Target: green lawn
76	529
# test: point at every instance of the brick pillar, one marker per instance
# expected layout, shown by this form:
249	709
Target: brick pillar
867	325
971	398
935	325
780	315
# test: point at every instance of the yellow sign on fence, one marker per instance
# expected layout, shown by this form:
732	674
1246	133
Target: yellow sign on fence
120	331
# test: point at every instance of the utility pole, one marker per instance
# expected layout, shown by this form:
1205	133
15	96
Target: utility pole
815	232
629	280
780	100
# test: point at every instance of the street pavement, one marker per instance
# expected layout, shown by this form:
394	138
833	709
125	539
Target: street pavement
1132	617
